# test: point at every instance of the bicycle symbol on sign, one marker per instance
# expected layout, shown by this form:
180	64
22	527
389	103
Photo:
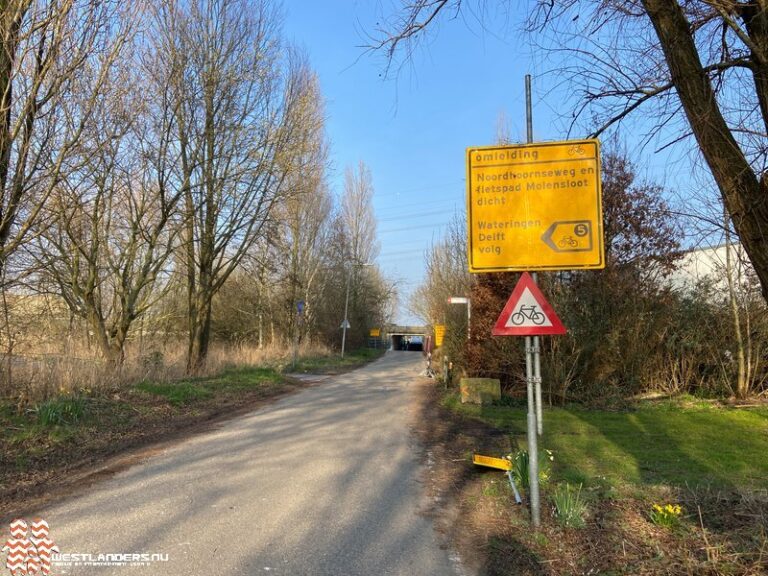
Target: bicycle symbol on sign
529	312
568	242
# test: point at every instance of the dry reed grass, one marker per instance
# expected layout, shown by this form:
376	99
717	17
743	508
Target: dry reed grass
35	373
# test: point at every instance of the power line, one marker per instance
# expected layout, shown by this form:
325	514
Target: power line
421	188
415	215
402	252
457	202
417	227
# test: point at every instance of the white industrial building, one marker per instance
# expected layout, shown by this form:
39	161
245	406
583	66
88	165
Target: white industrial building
709	265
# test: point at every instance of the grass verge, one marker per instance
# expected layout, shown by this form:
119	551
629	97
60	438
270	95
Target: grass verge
69	432
652	445
197	389
704	462
335	364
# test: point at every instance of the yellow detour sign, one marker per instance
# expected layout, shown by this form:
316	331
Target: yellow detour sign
491	462
439	334
535	207
375	332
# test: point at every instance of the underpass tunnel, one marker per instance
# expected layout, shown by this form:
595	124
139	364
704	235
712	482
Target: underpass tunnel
409	342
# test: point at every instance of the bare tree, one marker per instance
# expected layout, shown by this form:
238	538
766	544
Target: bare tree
307	256
702	61
54	58
446	275
357	218
232	99
112	223
358	245
306	213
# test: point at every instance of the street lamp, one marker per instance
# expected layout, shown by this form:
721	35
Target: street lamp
345	324
468	302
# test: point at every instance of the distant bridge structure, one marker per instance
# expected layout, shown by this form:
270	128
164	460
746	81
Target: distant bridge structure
406	337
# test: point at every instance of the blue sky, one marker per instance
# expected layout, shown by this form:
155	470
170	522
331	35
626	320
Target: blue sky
412	128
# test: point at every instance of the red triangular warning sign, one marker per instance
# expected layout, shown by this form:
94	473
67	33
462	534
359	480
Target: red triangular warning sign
527	313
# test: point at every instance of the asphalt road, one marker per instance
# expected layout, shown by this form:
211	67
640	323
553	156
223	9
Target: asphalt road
324	482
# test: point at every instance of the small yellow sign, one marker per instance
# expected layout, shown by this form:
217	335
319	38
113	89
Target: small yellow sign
491	462
439	334
375	332
535	207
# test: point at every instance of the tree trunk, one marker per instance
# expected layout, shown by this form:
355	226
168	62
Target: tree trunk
9	30
742	382
112	348
199	334
744	195
261	330
7	388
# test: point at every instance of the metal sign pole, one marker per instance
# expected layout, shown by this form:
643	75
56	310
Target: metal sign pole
532	368
537	384
533	450
536	342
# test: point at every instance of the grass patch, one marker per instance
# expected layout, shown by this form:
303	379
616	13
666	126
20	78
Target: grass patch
36	438
246	378
28	437
329	364
177	393
193	390
74	427
654	445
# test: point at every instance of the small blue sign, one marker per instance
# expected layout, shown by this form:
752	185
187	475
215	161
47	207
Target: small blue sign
300	306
